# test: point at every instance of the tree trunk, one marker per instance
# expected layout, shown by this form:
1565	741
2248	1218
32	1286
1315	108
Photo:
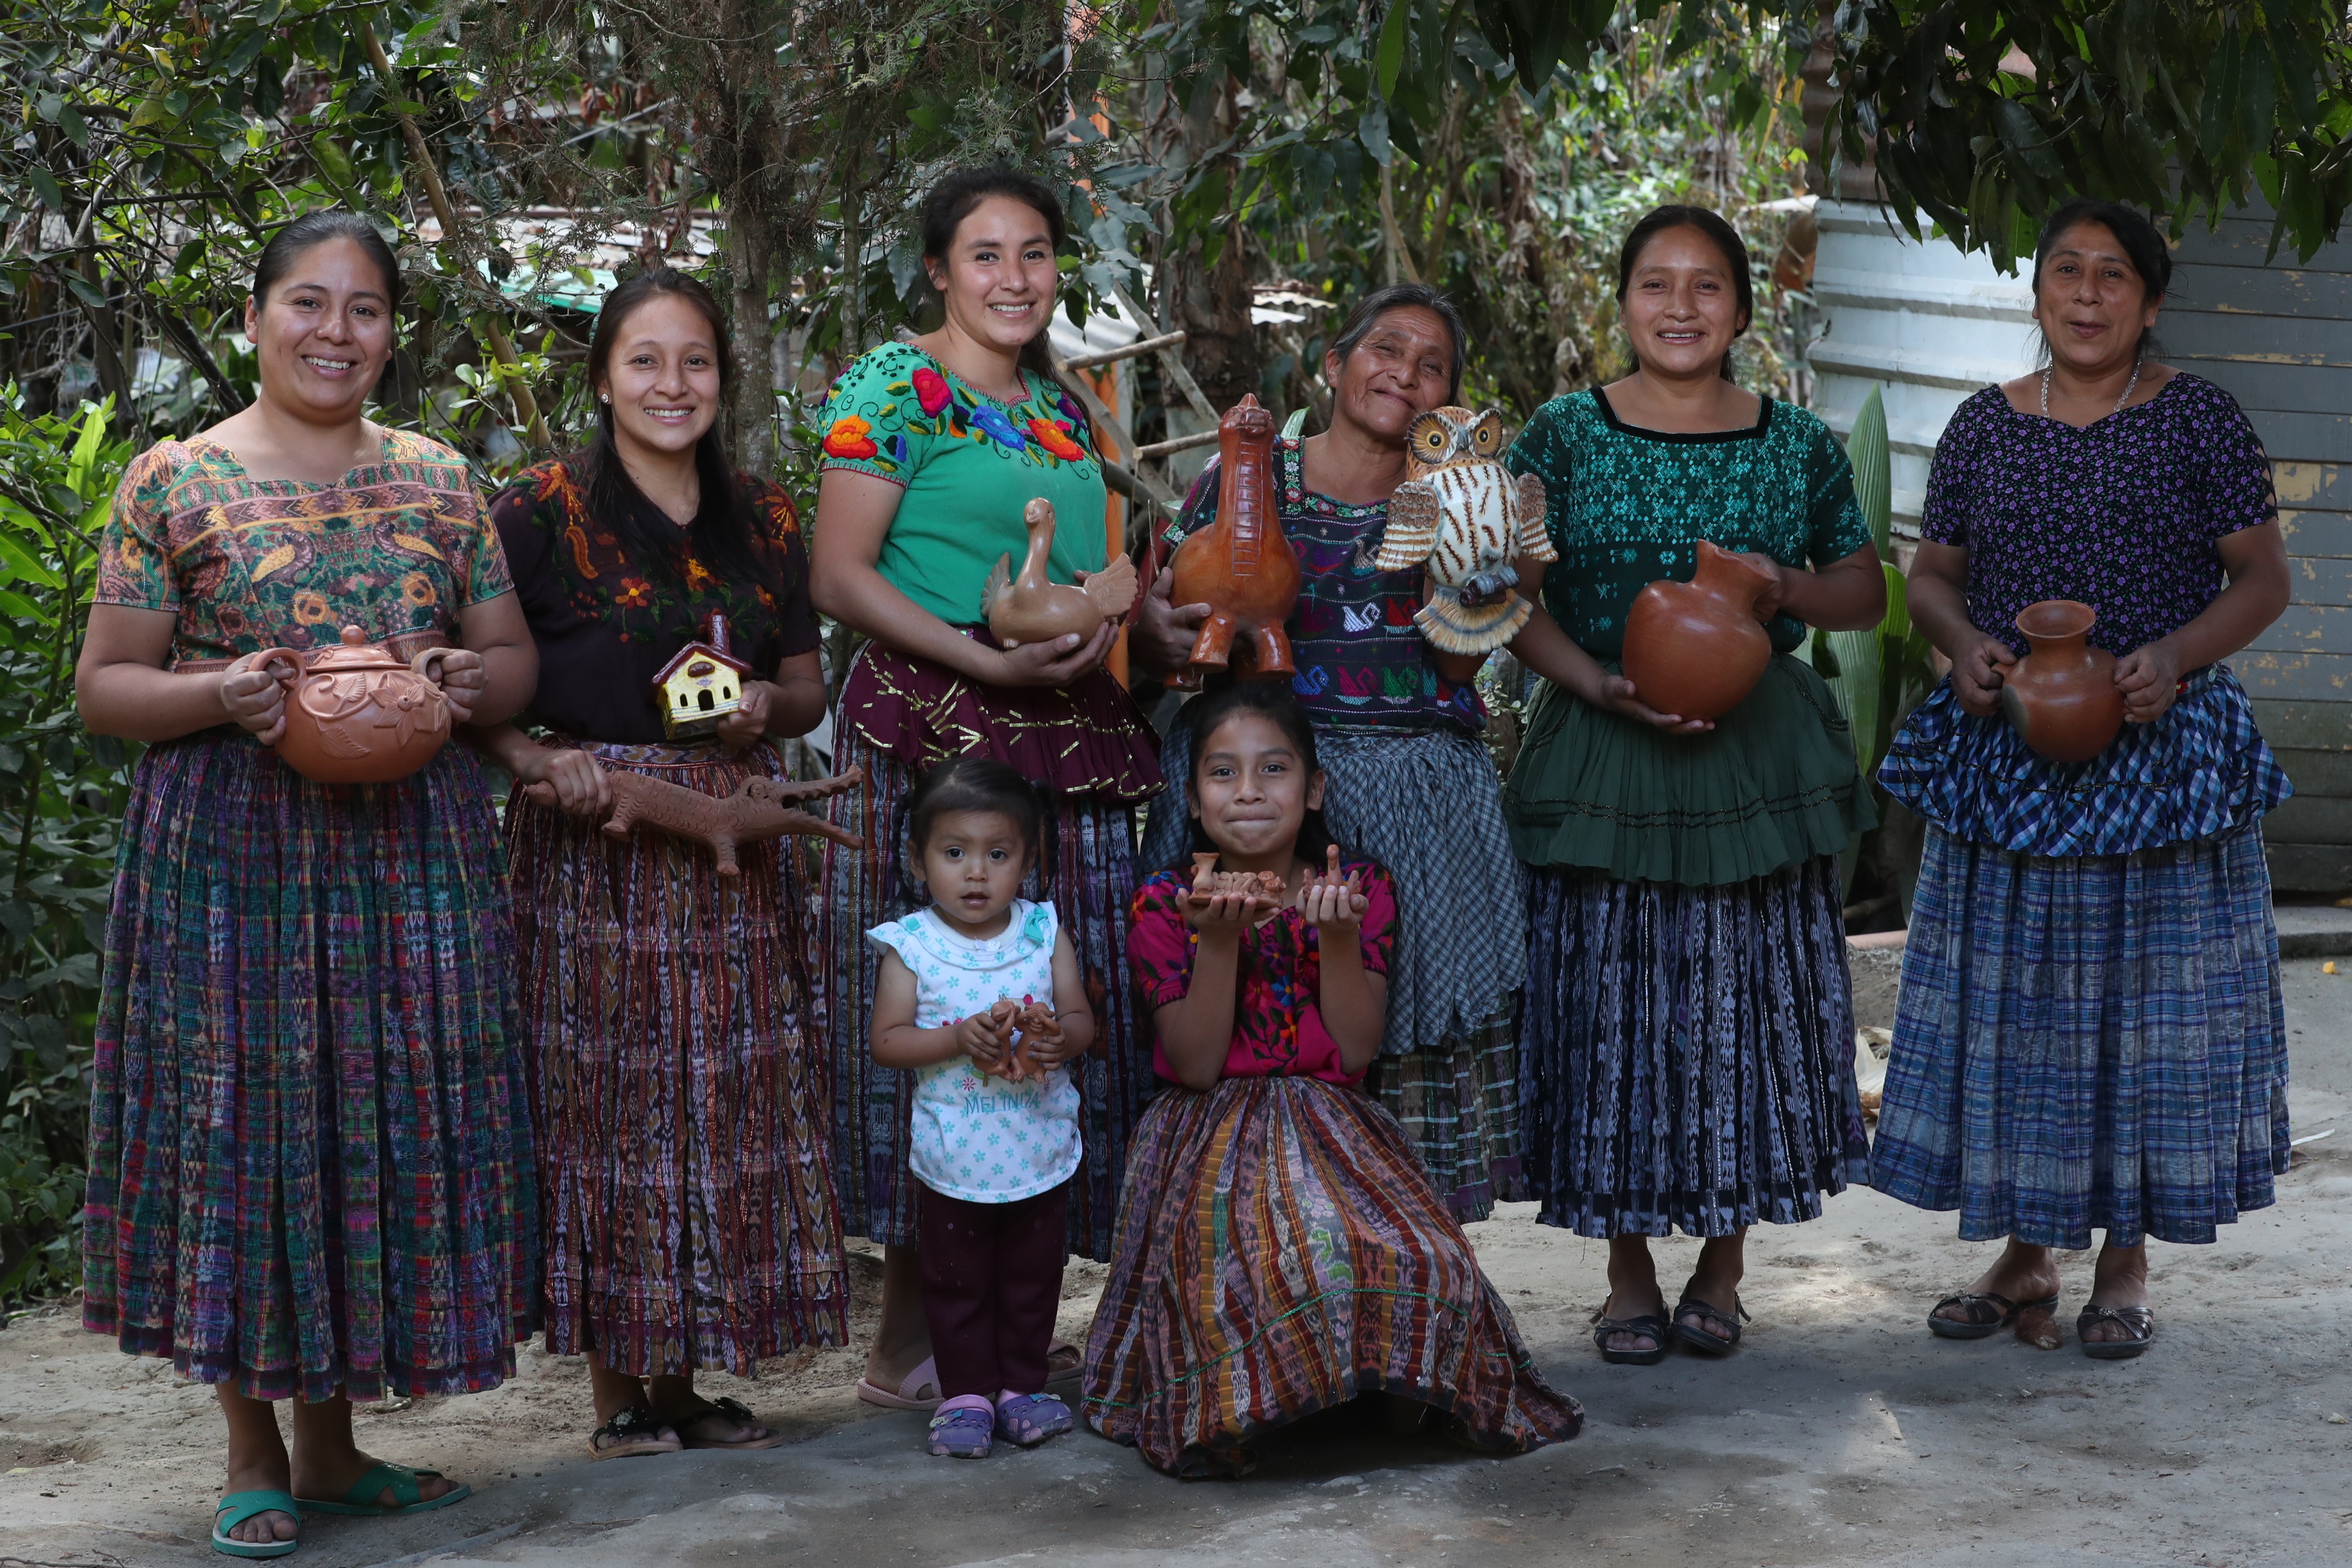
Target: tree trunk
1212	306
752	413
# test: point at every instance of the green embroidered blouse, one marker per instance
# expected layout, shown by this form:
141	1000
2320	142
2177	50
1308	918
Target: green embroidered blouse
969	464
1628	506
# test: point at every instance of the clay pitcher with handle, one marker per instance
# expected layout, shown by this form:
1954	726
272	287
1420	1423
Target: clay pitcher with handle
1695	649
2062	697
355	713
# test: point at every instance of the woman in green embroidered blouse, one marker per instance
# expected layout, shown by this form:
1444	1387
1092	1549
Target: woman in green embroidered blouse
932	451
1686	1041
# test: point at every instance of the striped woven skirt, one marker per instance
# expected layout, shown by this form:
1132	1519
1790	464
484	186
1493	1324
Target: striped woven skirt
1087	869
1427	804
2088	1043
1687	1052
309	1149
679	1083
1281	1251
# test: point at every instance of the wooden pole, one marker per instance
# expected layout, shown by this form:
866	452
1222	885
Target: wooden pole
501	346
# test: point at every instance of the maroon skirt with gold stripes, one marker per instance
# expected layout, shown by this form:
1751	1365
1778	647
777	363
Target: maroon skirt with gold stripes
680	1087
1280	1250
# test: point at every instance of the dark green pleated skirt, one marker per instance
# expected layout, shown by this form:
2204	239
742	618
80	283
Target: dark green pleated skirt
1773	784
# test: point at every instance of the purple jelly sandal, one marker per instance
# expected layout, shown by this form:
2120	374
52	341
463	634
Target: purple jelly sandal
961	1429
1029	1419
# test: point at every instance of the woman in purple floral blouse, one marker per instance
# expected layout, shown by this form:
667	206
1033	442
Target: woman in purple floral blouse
2090	1035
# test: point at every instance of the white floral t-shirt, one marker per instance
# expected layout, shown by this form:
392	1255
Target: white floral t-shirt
981	1139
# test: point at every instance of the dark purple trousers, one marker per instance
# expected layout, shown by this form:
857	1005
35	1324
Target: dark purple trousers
992	1284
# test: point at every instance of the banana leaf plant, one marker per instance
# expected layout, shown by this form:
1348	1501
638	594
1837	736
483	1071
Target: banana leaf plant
1878	675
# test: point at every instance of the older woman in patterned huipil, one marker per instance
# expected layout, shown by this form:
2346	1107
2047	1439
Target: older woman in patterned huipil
2090	1035
1398	723
310	1158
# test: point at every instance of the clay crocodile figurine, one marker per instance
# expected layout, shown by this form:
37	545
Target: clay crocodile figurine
759	810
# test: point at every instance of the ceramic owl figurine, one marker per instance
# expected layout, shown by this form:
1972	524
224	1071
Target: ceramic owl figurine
1468	518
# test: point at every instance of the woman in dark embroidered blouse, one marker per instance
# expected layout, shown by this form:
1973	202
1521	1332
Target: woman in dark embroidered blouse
2090	1035
1412	784
689	1222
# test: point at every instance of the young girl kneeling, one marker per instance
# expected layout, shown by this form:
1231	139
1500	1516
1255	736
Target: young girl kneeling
1279	1249
980	993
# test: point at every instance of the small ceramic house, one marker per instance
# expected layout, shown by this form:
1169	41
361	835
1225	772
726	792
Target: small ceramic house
701	685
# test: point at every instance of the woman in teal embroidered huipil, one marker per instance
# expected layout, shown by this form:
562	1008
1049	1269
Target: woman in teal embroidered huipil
1686	1058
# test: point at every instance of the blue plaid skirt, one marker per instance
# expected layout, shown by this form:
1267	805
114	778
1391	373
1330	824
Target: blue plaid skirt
2092	1042
1686	1053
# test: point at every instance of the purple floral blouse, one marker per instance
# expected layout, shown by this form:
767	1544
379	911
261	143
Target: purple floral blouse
2124	515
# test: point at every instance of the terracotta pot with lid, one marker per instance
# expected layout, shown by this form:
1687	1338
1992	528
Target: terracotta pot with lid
2062	696
1695	649
356	714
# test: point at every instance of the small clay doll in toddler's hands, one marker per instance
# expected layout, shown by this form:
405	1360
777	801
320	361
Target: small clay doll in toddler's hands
980	995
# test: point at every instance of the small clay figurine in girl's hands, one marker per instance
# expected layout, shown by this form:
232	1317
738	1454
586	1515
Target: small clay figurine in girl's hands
982	1038
1334	905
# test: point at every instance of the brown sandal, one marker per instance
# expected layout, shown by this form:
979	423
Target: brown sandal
1976	1304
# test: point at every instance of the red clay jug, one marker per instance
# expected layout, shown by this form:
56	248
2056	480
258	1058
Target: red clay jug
1695	649
356	714
2062	696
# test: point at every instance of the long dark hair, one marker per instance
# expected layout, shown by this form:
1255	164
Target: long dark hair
952	200
720	535
289	244
1725	238
1399	297
1274	701
2143	247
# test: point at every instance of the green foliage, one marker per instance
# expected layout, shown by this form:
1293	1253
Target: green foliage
1986	116
1881	674
62	796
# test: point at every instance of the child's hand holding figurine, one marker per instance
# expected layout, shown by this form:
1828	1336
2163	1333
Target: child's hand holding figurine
984	1037
1332	904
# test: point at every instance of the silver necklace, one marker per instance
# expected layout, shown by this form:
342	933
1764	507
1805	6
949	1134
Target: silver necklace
2119	408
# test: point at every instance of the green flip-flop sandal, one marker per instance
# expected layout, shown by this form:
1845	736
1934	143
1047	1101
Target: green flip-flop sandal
401	1481
236	1508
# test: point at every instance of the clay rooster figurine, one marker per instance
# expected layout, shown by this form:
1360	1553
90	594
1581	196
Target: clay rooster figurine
759	809
1464	514
1241	565
1032	608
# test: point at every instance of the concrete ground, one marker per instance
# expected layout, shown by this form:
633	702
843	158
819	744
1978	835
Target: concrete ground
1841	1433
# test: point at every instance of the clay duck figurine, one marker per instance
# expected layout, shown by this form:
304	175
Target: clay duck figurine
1242	565
1032	608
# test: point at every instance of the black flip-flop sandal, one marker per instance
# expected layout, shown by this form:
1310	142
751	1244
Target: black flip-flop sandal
1975	1326
2138	1321
1697	1337
1649	1325
734	1410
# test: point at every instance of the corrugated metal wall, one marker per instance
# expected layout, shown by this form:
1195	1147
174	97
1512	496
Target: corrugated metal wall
1933	325
2278	336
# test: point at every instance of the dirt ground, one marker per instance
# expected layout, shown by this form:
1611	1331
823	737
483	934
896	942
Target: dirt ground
1841	1433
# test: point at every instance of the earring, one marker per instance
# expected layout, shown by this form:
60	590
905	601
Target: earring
604	397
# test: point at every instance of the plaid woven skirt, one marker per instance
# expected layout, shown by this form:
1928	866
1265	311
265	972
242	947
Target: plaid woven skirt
1427	804
679	1086
1687	1053
309	1150
2090	1043
1087	870
1281	1251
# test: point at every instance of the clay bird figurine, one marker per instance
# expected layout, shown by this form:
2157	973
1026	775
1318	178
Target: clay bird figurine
1464	514
1241	566
1032	608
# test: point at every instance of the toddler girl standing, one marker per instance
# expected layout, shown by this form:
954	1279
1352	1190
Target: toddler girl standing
980	993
